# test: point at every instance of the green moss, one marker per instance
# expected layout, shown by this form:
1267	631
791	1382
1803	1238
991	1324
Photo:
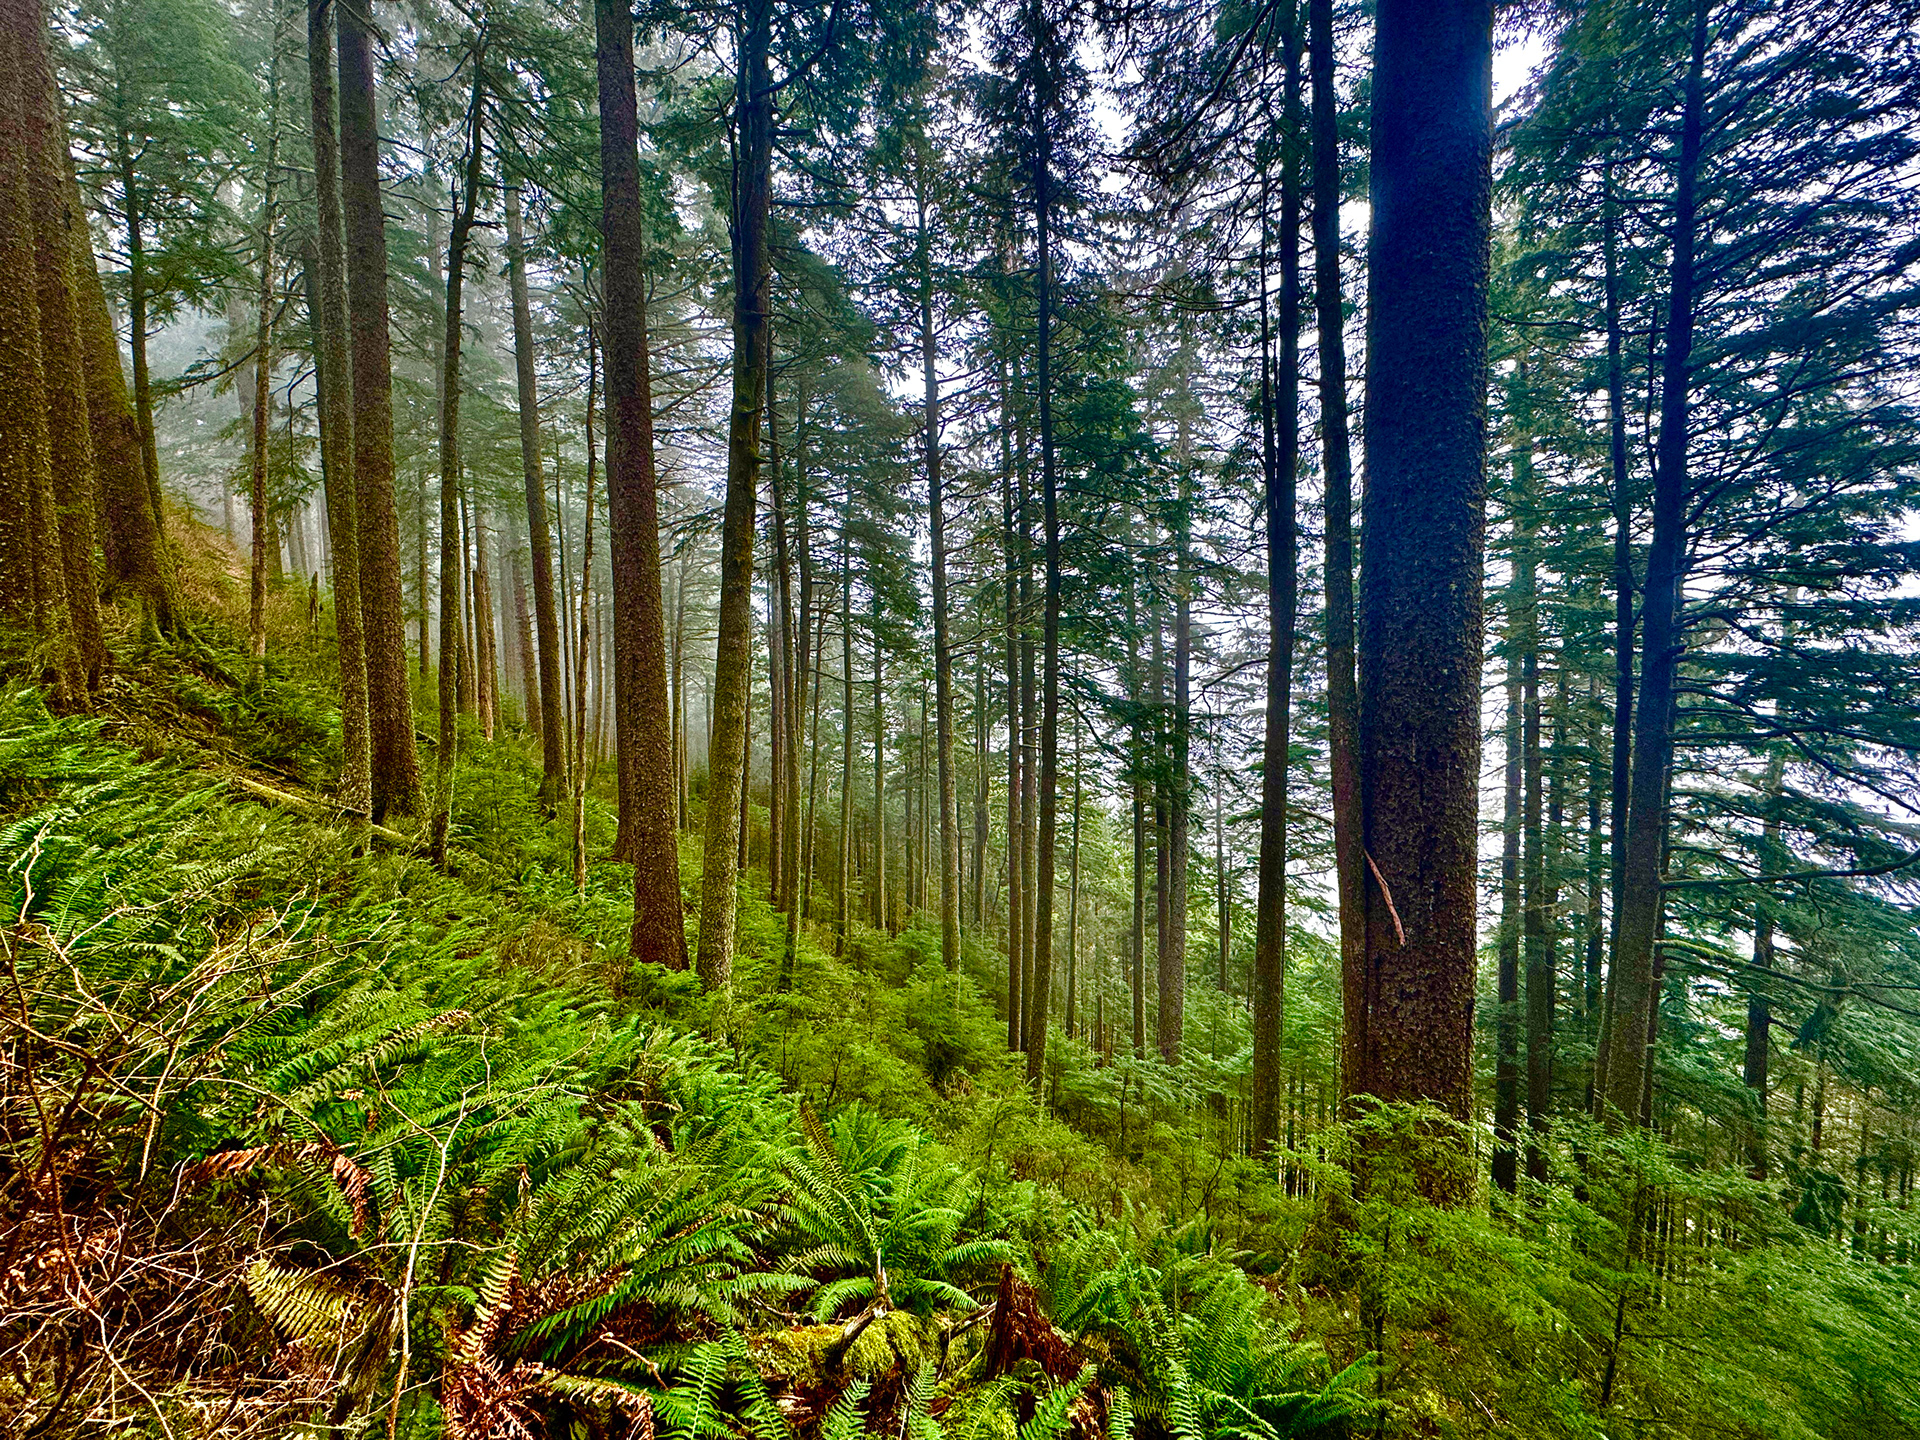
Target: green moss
797	1358
981	1412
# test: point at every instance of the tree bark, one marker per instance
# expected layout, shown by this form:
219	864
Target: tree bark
1281	403
1016	828
641	723
37	369
79	651
545	719
395	769
1506	1042
334	382
452	531
1420	591
1543	872
576	766
727	759
263	372
942	644
1049	788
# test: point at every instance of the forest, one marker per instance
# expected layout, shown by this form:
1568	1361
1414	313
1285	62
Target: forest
959	719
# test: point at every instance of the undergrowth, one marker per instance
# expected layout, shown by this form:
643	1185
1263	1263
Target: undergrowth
296	1139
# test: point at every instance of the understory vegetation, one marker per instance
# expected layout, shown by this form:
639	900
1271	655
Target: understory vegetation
302	1140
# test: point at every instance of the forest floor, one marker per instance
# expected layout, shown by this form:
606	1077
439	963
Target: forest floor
295	1137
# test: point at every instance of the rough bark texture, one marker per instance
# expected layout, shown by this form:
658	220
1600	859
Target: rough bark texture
642	726
395	766
136	562
32	588
1420	591
333	364
1632	990
56	218
546	718
727	756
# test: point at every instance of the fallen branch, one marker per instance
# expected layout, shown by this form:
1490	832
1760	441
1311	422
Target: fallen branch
307	805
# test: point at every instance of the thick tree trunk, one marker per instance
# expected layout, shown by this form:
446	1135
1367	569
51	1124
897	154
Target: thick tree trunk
35	360
334	381
29	563
544	719
1420	592
727	758
79	653
452	530
641	724
1632	990
395	766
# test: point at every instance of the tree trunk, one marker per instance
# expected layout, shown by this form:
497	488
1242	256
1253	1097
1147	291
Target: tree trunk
1137	951
942	645
1280	393
452	531
641	725
486	648
1623	582
1343	700
545	719
1506	1040
843	921
33	583
525	653
263	372
1759	1013
1543	871
395	766
882	915
133	222
130	533
1420	592
1016	829
1049	787
334	382
1073	902
1626	1058
576	765
80	652
727	758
